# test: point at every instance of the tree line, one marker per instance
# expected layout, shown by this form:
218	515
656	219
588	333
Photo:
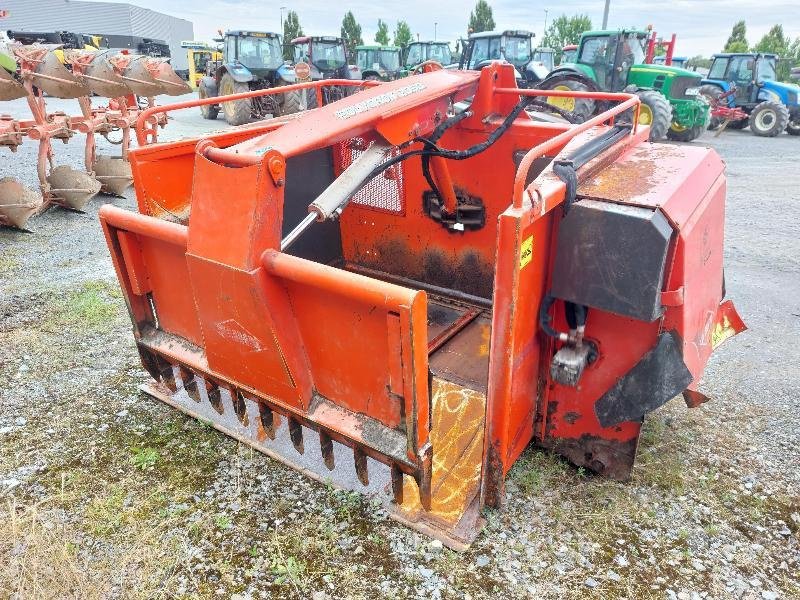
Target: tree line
775	41
480	19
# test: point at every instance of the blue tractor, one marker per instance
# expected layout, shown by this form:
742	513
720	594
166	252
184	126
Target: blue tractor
772	106
251	60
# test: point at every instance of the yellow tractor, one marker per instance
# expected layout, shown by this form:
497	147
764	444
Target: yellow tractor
198	55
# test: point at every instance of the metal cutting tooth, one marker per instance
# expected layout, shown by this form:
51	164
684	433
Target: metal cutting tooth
190	383
296	433
326	447
166	374
267	420
397	484
214	397
240	407
361	465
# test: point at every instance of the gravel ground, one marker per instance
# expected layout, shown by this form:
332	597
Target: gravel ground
105	493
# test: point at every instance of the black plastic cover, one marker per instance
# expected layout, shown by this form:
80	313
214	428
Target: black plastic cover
658	377
611	257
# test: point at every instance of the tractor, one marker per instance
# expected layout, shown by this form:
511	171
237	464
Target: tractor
513	46
419	52
617	61
379	63
676	61
198	55
546	56
771	106
251	60
326	57
568	54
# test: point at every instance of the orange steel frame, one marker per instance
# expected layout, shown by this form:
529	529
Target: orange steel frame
331	349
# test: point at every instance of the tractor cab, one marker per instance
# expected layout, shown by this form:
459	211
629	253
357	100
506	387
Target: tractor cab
546	56
607	57
748	73
252	54
512	46
419	52
326	56
379	63
568	54
682	62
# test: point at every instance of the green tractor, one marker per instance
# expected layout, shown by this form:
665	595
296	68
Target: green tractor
379	63
619	61
417	53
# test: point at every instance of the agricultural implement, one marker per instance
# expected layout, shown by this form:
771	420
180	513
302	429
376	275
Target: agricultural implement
402	290
118	77
618	61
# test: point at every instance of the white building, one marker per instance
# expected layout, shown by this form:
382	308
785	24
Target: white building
108	18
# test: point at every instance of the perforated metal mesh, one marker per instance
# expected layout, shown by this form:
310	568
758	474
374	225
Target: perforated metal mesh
385	191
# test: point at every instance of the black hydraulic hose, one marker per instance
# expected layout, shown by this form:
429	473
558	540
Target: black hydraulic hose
565	171
545	320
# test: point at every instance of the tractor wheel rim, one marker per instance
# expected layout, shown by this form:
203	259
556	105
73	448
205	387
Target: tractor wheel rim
228	107
567	104
677	127
765	119
645	115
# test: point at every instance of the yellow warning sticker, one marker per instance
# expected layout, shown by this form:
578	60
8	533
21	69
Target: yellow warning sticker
526	252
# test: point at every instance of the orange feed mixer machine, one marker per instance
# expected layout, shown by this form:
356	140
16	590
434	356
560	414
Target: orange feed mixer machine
400	291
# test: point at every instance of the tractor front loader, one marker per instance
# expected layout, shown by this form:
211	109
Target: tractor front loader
400	291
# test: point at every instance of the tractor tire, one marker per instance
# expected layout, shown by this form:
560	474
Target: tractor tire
237	112
712	93
581	107
684	135
292	102
209	111
793	126
655	111
769	119
311	98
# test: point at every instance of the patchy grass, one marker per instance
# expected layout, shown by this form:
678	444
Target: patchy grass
9	261
90	307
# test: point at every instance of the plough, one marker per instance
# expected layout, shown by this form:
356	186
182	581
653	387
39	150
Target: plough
118	77
401	291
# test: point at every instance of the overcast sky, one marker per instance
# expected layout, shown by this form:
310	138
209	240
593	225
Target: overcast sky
702	25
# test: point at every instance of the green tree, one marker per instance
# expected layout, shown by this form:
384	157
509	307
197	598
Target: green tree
382	37
737	41
291	30
402	34
776	42
351	32
564	31
481	18
698	61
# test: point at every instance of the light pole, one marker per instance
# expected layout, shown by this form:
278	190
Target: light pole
435	25
545	24
283	8
605	15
